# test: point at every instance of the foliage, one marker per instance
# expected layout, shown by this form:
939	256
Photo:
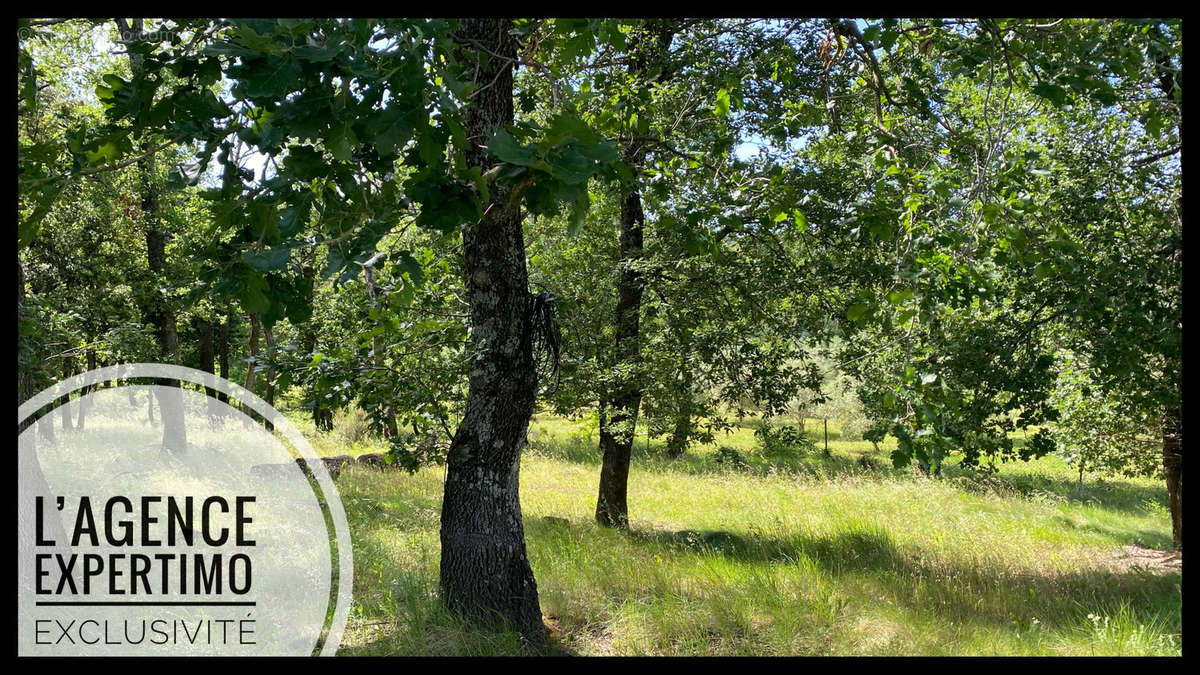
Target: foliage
936	232
1100	432
784	439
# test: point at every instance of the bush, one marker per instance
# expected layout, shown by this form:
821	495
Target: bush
784	440
730	457
351	425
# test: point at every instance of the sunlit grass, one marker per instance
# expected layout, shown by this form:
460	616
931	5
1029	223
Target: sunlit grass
800	555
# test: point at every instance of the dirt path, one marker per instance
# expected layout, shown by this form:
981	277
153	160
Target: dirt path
1154	561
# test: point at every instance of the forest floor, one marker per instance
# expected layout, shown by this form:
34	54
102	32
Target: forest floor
785	555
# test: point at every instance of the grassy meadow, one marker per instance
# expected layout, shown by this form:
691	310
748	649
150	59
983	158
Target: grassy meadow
781	555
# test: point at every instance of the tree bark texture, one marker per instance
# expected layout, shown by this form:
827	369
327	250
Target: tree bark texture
1173	469
485	574
619	424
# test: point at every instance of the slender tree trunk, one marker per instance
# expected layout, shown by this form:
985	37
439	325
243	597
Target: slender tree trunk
208	359
85	403
389	415
158	310
684	422
251	363
647	48
255	330
24	357
485	573
1173	469
269	395
616	434
223	355
64	403
322	416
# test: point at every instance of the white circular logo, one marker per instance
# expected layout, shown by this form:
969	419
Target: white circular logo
163	521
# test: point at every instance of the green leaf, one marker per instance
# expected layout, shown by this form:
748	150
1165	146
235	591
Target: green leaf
254	289
270	259
721	105
407	264
1051	92
341	142
579	209
291	220
507	149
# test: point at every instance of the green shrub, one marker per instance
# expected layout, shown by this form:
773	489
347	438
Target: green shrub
351	425
787	439
730	457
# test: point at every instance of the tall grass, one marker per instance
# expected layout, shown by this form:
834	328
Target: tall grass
792	555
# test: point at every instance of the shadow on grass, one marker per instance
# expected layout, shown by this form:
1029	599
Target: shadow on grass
438	633
1140	537
1115	495
858	548
396	608
867	559
581	451
397	611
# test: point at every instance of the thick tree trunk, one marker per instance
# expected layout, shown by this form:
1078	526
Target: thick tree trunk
162	314
171	396
1173	469
485	573
1172	415
207	346
45	425
619	425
